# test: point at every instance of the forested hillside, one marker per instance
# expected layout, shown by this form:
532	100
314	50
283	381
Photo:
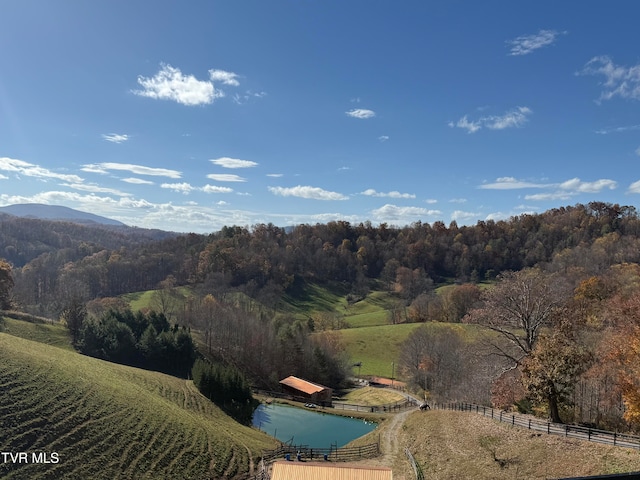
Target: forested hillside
554	291
53	261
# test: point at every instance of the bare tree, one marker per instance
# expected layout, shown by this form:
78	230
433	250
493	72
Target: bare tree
518	307
434	357
167	299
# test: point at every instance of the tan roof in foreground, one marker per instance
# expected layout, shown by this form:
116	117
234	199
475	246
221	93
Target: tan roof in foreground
324	471
302	385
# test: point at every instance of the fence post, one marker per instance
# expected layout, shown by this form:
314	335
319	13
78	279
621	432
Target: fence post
513	420
529	424
615	434
548	428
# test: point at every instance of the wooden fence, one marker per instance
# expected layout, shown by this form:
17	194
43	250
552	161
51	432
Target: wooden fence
572	431
388	407
332	454
417	469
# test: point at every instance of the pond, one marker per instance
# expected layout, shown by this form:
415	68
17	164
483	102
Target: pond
307	427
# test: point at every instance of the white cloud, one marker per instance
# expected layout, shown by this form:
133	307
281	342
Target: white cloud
306	191
137	181
226	177
526	44
241	99
606	131
576	185
21	167
216	189
135	169
222	203
3	177
383	138
510	183
463	217
545	197
227	162
142	213
571	188
170	84
184	188
275	175
564	190
619	81
95	189
115	137
634	187
395	194
464	122
401	215
224	77
513	118
638	151
431	201
361	113
458	200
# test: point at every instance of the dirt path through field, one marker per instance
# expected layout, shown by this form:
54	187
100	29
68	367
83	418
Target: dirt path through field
392	452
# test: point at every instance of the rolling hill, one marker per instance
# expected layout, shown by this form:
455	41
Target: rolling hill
103	420
56	212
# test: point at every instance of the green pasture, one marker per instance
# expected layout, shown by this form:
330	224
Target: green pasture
143	300
378	347
54	334
308	299
109	421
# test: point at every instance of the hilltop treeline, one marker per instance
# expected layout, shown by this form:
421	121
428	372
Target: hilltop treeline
266	261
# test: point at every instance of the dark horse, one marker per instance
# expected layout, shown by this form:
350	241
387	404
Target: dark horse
425	406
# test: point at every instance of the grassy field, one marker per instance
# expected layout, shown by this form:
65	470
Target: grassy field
111	421
143	300
376	347
49	333
462	445
379	347
372	396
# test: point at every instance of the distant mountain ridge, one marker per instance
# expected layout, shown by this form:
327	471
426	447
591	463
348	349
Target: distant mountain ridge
57	212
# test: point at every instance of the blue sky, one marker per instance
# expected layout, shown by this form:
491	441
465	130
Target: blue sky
188	116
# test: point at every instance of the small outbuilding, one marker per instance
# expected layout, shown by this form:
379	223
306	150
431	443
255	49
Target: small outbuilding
307	391
387	382
326	471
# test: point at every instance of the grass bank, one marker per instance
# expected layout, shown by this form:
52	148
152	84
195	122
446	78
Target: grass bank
464	445
109	421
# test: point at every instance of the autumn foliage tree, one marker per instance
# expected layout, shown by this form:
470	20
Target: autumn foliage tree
623	349
550	371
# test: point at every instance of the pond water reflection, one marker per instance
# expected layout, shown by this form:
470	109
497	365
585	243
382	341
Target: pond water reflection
307	427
